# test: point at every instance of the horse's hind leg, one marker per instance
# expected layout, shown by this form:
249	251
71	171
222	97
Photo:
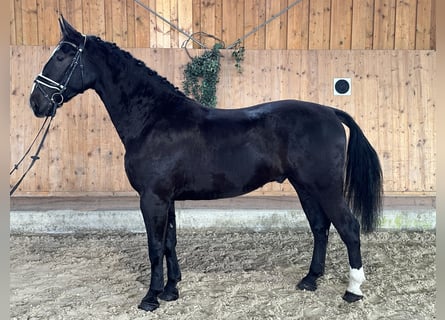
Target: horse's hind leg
319	224
171	292
324	206
348	228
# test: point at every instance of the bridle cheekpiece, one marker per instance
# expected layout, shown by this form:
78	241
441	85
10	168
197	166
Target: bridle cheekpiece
42	81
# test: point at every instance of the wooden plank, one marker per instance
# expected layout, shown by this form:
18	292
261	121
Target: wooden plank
416	135
174	34
153	25
94	176
384	24
239	21
185	21
142	26
196	20
97	24
40	7
29	22
405	32
250	22
51	22
366	87
401	136
319	24
208	21
291	66
384	103
425	66
273	28
298	26
388	105
433	25
283	24
229	28
73	13
423	25
131	23
12	23
219	19
119	23
362	24
341	24
255	14
86	18
162	28
18	22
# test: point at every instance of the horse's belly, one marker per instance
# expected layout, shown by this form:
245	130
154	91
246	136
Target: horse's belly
228	182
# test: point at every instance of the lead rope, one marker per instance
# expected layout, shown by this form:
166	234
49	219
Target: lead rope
35	157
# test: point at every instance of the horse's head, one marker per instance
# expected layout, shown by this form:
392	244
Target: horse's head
64	75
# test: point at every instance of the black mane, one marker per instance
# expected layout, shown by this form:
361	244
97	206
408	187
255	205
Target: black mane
112	50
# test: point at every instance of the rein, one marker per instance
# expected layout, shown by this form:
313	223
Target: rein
35	157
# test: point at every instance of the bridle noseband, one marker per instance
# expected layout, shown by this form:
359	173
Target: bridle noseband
42	81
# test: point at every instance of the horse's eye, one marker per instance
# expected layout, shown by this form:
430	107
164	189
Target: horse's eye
60	57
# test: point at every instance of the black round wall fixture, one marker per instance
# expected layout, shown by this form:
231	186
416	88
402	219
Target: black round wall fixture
342	86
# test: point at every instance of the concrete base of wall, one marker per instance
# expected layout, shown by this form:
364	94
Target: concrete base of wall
62	217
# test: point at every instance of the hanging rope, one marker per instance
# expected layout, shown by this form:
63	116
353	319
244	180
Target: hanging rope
190	37
273	17
231	46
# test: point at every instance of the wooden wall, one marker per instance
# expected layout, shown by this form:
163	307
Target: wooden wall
311	24
392	100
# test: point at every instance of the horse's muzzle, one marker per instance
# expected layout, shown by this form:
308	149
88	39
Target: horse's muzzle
45	109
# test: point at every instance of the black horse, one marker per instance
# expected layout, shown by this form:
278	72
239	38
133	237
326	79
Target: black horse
177	149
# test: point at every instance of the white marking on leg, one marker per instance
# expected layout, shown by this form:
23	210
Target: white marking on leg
356	278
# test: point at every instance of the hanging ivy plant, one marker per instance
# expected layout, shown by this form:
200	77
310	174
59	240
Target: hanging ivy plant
202	75
238	55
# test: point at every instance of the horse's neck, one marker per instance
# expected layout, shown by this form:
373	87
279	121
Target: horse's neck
131	101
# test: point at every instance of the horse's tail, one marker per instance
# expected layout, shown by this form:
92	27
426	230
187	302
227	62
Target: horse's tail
363	181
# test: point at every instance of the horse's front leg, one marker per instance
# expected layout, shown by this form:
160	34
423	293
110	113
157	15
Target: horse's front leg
171	292
155	214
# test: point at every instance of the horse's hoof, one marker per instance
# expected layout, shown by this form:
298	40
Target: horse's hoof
169	295
351	297
304	285
148	305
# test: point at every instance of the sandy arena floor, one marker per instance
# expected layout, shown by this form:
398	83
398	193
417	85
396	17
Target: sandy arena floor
242	275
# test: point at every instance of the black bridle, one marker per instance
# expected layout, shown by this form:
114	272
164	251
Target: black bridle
56	100
42	81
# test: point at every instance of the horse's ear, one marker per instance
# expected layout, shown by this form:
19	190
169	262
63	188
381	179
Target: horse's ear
67	30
